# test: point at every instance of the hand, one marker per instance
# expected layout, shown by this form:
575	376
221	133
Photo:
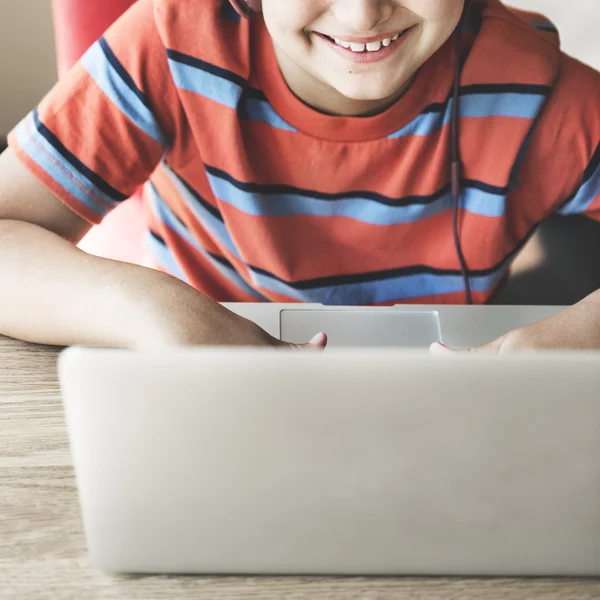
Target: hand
174	314
575	328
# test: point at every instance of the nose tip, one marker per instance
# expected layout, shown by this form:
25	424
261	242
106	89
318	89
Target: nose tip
363	16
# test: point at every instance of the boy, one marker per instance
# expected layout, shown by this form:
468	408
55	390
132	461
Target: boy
301	154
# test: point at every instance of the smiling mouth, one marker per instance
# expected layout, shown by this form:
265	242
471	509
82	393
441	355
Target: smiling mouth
374	46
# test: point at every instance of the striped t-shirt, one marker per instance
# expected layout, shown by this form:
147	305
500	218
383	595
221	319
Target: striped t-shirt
252	195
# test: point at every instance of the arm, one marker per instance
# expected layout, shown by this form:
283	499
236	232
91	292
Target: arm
575	328
54	293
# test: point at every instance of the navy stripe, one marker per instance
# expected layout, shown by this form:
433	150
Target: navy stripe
505	88
157	237
542	90
46	156
123	74
162	255
192	61
255	94
215	212
520	159
100	183
485	187
593	166
221	260
279	189
582	197
544	26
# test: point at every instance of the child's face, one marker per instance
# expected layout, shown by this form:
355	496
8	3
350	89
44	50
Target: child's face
337	80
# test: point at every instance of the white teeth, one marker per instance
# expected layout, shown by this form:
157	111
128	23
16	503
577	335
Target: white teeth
341	43
357	47
370	47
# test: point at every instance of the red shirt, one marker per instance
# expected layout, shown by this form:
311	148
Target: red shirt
253	195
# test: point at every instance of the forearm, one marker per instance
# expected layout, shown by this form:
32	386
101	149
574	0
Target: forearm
53	293
575	328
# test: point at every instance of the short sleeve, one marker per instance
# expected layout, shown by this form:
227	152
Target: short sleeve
561	169
102	130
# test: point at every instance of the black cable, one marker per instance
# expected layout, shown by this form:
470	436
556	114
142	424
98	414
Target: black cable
456	166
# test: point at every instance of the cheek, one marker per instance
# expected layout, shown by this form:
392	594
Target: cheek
291	16
440	19
438	12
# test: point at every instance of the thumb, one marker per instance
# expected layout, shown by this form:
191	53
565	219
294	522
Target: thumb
317	343
439	348
495	346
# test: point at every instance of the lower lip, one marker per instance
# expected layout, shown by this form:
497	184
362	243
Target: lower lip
367	57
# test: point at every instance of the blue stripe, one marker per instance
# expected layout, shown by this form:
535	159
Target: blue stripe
123	74
586	194
99	183
197	63
210	219
207	84
366	210
116	83
424	124
256	109
170	219
404	287
518	106
52	162
162	255
475	105
226	88
167	216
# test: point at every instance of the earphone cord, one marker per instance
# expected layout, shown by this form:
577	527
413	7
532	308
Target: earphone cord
456	167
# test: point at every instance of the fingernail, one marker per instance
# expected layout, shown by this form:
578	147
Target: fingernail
318	339
439	347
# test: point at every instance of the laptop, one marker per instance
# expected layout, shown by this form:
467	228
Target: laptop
380	460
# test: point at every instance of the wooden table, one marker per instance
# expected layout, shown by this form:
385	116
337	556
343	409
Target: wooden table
42	549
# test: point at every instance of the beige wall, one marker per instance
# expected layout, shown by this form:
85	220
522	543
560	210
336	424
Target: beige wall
577	21
27	66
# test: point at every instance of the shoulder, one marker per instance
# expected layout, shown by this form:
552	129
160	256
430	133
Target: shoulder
522	50
569	126
564	145
512	46
577	87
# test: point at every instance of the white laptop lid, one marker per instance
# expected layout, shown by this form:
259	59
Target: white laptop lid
342	462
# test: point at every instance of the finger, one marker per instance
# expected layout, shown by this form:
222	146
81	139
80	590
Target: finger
439	348
495	346
317	343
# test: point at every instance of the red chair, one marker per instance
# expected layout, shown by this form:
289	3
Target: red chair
77	25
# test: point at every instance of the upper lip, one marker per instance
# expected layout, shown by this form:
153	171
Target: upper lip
366	40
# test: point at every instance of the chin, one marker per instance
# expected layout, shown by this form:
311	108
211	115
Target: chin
366	91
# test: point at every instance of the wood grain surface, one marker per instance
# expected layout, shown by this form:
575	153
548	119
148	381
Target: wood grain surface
42	548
